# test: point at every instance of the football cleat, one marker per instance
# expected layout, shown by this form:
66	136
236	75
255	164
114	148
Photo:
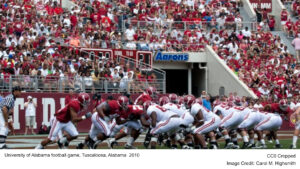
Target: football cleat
113	143
60	145
278	146
292	146
80	146
245	145
213	147
129	147
186	147
263	146
229	145
90	144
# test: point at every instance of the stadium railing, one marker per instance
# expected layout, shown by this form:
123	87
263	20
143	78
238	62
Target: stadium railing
79	83
185	25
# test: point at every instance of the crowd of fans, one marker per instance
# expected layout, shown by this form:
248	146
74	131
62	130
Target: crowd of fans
34	47
35	40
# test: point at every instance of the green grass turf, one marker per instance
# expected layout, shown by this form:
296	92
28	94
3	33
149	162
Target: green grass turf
284	142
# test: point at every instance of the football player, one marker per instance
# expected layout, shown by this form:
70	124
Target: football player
64	119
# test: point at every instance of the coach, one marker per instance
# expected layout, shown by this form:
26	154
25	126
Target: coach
6	105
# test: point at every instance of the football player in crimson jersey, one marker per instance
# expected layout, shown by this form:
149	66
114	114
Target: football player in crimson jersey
64	119
148	95
132	127
100	129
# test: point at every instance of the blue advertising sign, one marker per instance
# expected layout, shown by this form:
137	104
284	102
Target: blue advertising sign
171	57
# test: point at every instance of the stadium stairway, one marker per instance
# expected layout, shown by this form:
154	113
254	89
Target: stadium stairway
287	41
246	18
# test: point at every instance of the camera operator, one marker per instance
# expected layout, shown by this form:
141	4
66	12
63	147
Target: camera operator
30	113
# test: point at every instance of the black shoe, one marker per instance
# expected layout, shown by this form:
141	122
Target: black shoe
90	144
114	143
168	143
60	145
245	145
278	146
292	146
174	146
146	144
80	146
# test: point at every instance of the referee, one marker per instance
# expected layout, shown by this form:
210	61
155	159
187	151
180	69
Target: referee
6	105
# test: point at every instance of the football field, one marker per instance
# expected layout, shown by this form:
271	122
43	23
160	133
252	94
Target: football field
30	141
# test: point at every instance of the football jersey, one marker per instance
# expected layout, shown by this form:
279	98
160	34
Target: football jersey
113	109
143	98
207	115
221	108
64	114
161	113
136	110
174	108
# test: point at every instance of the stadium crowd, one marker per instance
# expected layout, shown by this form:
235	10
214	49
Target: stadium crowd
35	40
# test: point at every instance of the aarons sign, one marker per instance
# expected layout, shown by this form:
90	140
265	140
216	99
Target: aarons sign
177	57
262	4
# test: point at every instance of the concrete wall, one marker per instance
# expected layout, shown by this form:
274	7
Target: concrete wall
67	4
277	7
248	8
219	75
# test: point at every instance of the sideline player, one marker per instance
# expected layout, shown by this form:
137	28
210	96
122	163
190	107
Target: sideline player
64	119
6	105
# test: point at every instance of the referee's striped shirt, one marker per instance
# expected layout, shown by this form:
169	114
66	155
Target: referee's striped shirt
8	101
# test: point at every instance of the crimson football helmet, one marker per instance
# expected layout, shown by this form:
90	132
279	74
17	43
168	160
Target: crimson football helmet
173	97
151	91
123	101
84	99
199	100
180	100
237	100
188	100
163	100
146	104
283	105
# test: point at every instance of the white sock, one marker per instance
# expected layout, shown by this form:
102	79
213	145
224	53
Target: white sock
2	144
295	138
277	141
251	141
226	137
262	141
63	140
245	139
130	141
39	147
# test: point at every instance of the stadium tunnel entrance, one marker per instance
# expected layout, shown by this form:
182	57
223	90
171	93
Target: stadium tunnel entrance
185	81
177	81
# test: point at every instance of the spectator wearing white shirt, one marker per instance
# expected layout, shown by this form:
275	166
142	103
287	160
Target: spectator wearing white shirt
30	113
129	33
131	45
246	32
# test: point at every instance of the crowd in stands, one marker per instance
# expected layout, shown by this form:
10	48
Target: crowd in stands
35	40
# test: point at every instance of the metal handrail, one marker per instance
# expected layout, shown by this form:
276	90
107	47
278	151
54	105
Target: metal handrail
62	84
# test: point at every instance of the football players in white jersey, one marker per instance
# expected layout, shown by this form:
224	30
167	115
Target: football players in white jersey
186	120
161	121
205	122
269	122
